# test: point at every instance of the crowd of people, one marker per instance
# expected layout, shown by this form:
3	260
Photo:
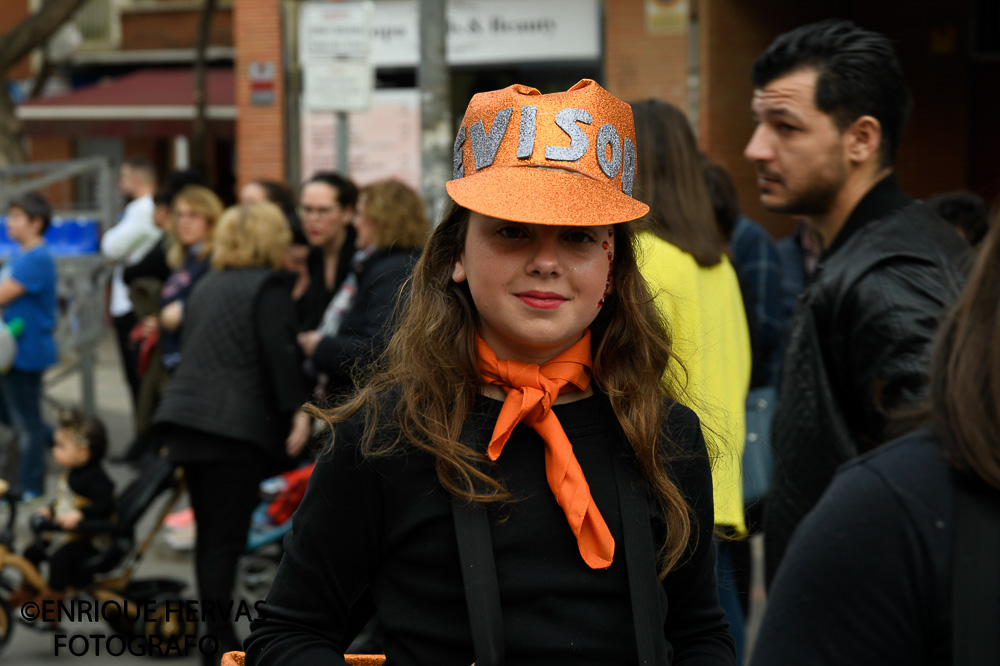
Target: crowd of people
555	416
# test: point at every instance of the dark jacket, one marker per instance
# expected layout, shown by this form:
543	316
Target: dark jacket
868	579
367	325
310	308
239	376
857	347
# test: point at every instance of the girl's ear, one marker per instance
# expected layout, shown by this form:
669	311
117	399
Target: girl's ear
458	272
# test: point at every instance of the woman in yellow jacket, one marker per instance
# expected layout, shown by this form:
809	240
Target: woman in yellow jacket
683	258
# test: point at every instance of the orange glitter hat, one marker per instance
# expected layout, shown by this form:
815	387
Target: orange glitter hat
563	158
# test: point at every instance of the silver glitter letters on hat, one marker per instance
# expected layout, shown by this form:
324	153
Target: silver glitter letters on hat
526	138
628	174
609	135
457	168
484	148
567	120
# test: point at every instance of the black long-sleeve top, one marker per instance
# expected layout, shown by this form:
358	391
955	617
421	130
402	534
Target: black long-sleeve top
312	305
92	492
867	579
386	524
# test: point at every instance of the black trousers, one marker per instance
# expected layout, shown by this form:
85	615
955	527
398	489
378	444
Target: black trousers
223	496
129	354
64	562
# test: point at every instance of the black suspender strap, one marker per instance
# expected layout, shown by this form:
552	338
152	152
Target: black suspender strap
976	578
482	593
479	572
640	561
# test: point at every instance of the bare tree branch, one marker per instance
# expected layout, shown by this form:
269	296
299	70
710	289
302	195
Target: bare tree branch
199	134
35	30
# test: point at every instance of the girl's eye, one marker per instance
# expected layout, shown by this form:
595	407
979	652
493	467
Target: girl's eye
512	232
581	237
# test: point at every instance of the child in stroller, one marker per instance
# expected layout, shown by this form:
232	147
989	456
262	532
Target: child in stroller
106	575
85	494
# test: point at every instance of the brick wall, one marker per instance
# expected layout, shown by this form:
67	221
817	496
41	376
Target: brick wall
638	63
52	149
732	34
934	153
173	29
260	130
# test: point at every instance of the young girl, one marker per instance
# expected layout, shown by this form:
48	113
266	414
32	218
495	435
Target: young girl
515	484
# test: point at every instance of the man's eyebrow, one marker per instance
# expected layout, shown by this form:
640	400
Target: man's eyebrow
774	112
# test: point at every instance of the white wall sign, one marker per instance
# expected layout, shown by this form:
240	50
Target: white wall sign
487	31
334	46
335	31
338	86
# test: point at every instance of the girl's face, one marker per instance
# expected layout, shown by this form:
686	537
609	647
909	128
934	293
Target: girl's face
191	226
67	452
536	287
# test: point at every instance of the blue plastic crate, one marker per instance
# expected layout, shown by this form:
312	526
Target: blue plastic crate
66	237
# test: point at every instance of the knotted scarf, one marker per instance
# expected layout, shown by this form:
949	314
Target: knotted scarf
531	390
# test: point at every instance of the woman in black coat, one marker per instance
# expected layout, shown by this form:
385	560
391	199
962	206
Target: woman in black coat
229	410
391	230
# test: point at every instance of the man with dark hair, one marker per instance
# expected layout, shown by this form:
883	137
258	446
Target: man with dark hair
966	211
28	294
830	101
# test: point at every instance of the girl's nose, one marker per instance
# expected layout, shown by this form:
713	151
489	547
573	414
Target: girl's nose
545	258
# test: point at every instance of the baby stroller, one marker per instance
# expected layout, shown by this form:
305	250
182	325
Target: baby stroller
272	519
110	570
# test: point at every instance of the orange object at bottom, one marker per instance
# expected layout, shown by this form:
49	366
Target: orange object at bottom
236	659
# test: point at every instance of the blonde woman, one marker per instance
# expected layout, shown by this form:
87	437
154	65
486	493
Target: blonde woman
196	210
229	409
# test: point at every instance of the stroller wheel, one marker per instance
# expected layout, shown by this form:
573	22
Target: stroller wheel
6	623
167	624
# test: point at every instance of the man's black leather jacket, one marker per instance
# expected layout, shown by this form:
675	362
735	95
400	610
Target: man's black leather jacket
857	347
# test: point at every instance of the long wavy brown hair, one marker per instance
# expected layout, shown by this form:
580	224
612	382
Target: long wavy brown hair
429	370
965	370
669	180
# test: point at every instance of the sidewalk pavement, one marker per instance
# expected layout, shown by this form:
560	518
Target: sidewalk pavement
28	646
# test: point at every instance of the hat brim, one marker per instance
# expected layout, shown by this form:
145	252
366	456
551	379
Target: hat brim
544	196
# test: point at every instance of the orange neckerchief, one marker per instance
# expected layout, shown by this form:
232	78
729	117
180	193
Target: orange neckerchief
531	389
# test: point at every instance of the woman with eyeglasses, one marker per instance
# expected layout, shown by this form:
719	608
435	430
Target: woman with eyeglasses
327	205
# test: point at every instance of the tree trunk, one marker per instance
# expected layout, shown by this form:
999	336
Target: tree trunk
199	133
437	135
15	45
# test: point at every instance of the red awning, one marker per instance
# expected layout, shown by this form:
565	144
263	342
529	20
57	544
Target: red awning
150	102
